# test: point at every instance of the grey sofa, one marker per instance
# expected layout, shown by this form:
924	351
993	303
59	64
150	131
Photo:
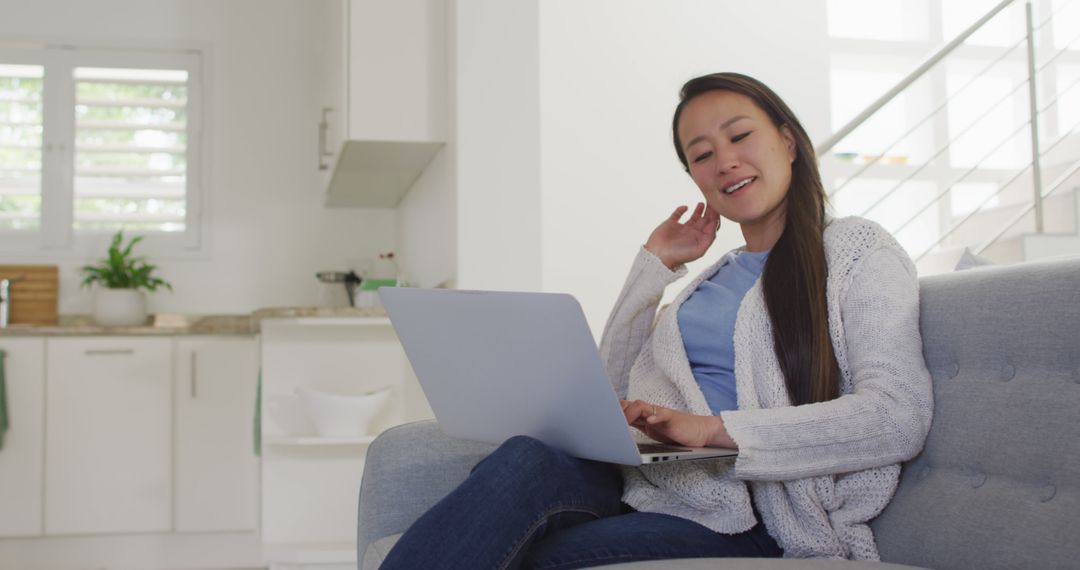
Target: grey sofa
995	487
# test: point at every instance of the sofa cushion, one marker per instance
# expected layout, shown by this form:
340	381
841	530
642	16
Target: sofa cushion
377	551
996	484
757	564
969	260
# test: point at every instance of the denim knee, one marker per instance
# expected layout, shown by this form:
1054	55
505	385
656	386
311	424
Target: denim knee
523	450
526	444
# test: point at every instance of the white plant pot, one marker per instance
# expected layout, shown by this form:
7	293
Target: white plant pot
119	307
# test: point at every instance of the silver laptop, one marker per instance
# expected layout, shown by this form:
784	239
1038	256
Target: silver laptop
495	364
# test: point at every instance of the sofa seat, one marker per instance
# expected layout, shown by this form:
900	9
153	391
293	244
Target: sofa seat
996	487
378	550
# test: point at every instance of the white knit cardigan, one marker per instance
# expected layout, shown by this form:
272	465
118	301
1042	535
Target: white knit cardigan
819	472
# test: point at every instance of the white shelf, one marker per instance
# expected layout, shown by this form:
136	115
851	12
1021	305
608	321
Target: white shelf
314	440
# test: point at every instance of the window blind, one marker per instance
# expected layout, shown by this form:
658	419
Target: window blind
131	142
21	127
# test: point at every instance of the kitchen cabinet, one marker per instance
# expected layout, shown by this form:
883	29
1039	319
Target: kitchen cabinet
216	467
395	120
21	471
108	460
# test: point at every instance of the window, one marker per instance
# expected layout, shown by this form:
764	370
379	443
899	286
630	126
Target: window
130	149
92	141
21	112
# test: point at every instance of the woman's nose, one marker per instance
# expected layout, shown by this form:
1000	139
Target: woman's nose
726	161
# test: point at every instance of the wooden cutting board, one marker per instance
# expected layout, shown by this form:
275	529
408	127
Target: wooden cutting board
34	293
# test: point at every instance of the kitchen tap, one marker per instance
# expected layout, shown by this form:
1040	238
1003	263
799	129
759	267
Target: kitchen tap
5	298
5	302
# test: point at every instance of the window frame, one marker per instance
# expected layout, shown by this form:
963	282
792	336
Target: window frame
56	236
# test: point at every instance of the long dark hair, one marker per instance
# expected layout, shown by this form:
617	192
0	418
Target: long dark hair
794	276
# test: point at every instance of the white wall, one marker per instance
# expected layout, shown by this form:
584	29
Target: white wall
610	72
559	161
274	65
427	224
427	215
497	111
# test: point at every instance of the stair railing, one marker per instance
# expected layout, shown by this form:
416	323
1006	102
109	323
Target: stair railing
1032	123
904	83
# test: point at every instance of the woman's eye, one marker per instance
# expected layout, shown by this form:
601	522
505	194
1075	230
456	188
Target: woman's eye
702	157
740	137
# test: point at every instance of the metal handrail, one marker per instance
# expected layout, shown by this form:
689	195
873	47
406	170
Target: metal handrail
1039	190
1075	168
971	125
1036	164
1057	183
983	159
919	71
945	147
881	154
964	176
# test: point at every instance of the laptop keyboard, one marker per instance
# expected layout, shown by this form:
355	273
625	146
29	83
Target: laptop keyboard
660	448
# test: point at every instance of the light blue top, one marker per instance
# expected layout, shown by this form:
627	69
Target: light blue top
707	324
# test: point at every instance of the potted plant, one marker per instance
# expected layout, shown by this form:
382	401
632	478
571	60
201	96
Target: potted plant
119	300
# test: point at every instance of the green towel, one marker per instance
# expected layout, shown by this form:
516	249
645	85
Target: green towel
3	402
258	415
374	284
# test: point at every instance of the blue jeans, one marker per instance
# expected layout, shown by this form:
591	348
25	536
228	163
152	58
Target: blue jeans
529	506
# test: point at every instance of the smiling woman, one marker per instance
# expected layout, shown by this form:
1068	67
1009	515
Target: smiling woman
734	145
781	209
801	350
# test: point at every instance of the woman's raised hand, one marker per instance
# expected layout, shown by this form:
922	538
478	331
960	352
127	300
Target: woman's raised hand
676	242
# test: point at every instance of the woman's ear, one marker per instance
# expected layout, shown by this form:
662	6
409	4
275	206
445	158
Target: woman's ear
789	140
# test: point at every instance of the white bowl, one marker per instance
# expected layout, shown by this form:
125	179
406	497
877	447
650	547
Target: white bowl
337	415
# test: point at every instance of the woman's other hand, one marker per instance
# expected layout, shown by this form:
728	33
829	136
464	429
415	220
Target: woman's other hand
676	242
677	428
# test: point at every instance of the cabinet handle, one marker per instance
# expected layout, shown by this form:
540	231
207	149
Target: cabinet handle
324	151
194	376
109	351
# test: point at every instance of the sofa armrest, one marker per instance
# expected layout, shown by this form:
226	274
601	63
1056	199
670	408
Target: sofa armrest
408	469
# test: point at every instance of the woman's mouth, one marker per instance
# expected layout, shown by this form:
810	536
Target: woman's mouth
739	185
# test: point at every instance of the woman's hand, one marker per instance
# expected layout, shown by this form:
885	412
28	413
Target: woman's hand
677	428
676	243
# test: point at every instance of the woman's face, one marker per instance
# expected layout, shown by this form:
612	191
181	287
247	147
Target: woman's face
738	158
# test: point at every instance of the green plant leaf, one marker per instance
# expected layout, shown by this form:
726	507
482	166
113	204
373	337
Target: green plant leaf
121	270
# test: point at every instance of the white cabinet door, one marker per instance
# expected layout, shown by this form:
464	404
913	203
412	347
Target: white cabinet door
397	94
108	435
217	471
23	445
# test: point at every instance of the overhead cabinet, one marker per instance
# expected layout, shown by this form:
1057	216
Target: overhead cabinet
396	100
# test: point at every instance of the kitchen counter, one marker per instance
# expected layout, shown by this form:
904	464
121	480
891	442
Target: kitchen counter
162	325
308	312
175	324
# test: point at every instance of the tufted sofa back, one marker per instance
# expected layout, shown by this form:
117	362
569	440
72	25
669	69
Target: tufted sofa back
998	483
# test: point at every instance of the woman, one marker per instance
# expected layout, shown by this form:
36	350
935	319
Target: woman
801	349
